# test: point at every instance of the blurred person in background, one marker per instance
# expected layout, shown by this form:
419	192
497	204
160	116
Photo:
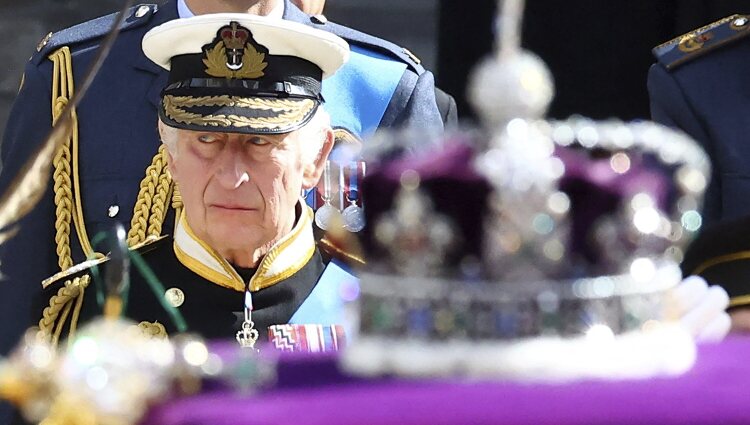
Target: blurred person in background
699	84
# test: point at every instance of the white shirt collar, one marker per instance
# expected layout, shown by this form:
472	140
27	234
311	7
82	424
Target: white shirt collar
184	11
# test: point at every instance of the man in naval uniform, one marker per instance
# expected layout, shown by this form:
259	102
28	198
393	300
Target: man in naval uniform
245	132
96	181
700	85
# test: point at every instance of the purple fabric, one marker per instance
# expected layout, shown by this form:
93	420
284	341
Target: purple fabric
715	391
455	189
598	173
460	193
454	160
597	191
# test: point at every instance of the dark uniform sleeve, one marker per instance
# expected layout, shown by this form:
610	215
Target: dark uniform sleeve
670	107
413	103
447	106
24	259
29	122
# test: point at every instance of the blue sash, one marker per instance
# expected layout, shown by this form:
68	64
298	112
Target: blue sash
324	305
358	94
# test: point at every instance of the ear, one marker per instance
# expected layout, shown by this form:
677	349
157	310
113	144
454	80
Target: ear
314	170
170	157
170	162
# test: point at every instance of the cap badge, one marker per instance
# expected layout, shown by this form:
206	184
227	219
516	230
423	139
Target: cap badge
234	54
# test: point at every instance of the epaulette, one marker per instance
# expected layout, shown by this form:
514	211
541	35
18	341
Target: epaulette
697	43
343	137
149	244
135	17
370	42
334	249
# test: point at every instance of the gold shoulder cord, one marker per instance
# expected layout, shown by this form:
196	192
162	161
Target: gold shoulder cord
61	162
67	206
55	314
156	190
67	199
153	200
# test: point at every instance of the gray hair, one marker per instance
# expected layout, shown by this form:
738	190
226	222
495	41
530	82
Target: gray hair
312	135
169	137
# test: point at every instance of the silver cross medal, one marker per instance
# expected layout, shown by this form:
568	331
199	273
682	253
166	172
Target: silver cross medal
248	335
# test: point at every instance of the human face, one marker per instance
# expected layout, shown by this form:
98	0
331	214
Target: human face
240	191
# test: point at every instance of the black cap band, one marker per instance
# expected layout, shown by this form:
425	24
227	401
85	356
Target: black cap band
246	88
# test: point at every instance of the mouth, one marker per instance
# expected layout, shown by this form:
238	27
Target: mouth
232	207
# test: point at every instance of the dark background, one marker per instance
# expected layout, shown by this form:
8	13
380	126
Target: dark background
598	50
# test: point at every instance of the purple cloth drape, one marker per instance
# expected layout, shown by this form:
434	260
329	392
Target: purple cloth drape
312	391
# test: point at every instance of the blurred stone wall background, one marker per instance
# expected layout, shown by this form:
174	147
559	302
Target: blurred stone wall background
411	24
23	24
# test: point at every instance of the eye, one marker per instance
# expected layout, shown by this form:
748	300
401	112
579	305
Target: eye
207	138
258	141
207	145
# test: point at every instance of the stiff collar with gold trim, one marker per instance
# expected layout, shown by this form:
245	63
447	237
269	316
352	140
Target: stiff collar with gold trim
286	257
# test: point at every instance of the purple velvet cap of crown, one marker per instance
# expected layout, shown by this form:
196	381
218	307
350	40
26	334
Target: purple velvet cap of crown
459	192
596	190
448	177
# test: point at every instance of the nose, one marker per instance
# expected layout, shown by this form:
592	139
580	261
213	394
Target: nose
232	172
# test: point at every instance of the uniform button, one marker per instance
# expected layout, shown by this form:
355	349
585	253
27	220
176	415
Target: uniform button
740	22
175	297
113	211
142	11
319	19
